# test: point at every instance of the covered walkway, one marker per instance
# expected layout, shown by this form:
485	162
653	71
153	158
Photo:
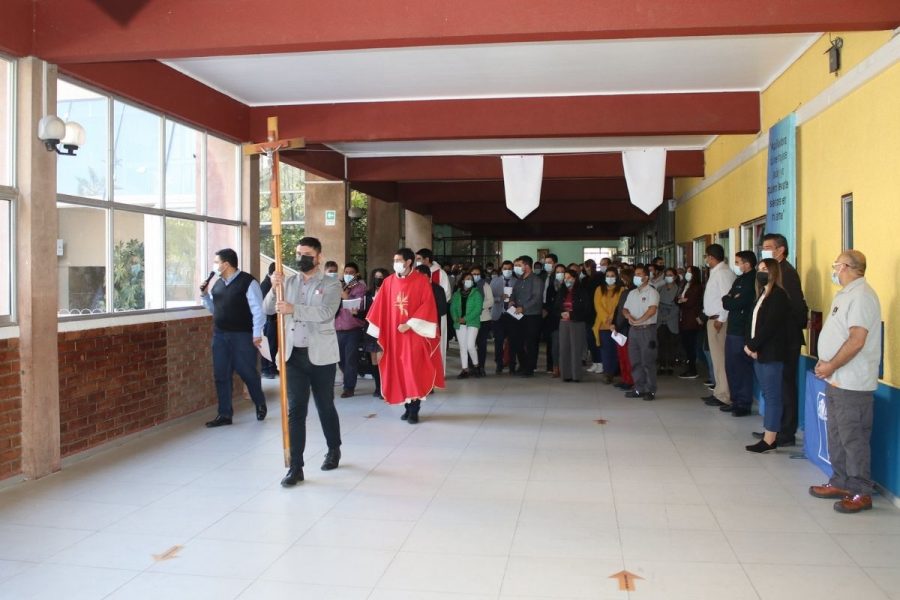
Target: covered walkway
509	488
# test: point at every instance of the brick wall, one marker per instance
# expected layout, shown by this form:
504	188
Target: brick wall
10	410
119	380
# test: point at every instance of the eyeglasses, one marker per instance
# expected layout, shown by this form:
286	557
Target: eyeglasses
836	265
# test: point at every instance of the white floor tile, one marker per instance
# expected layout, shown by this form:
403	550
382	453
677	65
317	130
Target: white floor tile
565	542
775	582
691	581
558	577
353	567
357	533
459	537
676	545
888	579
117	550
34	544
281	590
52	582
153	586
222	558
8	568
872	550
259	527
797	549
781	519
466	574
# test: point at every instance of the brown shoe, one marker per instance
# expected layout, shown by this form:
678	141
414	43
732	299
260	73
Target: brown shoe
828	491
347	393
853	504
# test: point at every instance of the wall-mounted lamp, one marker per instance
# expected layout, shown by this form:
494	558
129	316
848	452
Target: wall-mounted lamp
53	131
834	55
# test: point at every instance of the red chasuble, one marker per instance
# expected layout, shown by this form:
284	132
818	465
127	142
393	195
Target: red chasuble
411	365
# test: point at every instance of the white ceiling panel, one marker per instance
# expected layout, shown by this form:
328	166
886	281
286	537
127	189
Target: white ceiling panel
692	64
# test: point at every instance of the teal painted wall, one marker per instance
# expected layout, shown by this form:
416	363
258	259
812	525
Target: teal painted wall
567	251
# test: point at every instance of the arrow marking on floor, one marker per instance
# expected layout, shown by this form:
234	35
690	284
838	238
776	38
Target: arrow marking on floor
626	580
371	416
168	554
601	421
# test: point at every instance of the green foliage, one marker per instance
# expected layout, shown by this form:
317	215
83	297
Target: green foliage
128	275
359	230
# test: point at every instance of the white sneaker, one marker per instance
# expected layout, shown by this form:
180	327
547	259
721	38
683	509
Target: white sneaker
592	368
598	368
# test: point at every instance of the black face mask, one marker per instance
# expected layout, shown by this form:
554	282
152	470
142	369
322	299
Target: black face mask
762	278
378	281
306	263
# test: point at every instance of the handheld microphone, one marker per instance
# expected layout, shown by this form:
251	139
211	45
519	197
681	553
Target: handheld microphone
206	283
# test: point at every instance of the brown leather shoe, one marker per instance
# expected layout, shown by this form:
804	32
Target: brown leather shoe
828	491
853	504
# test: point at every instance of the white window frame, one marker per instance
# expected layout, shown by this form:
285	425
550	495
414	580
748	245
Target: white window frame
847	221
10	193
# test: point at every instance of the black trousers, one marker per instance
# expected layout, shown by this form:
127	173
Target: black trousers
484	332
689	343
303	377
789	391
504	329
526	341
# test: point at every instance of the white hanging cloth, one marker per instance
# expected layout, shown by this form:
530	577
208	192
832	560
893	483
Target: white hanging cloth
645	174
522	177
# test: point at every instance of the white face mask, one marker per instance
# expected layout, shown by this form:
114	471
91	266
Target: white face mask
332	274
737	270
610	281
419	263
399	268
688	276
348	279
549	267
218	269
560	276
477	278
764	254
468	283
670	279
518	271
507	273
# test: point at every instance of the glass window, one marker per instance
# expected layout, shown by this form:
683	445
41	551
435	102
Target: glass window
219	237
86	173
82	265
184	147
222	191
5	260
847	220
136	156
6	122
184	266
137	261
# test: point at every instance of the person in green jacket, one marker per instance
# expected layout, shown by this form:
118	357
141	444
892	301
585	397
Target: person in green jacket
465	314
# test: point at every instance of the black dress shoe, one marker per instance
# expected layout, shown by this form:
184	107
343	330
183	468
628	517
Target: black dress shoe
261	412
709	398
715	402
633	394
414	407
740	412
293	477
761	447
219	421
648	396
332	458
727	408
405	414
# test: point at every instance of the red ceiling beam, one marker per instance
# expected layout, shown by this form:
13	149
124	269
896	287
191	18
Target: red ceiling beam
556	212
106	30
318	160
492	192
569	116
679	163
17	27
164	89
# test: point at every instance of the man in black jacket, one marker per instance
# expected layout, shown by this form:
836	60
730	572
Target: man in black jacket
739	303
775	246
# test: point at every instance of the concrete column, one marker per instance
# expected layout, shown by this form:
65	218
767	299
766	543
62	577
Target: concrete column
419	231
322	196
384	233
250	212
37	224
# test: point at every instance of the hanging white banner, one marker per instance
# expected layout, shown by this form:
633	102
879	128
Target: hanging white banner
522	177
645	174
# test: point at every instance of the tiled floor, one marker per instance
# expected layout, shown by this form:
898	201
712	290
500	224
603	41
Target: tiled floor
509	488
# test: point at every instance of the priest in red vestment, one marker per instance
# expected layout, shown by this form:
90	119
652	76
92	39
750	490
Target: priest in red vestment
404	319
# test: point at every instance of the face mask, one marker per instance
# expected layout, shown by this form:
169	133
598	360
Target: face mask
737	270
468	283
764	254
638	281
570	283
418	263
218	270
688	276
507	273
548	267
560	276
306	263
610	281
762	278
477	278
332	274
378	282
399	267
835	279
348	279
670	279
581	276
519	271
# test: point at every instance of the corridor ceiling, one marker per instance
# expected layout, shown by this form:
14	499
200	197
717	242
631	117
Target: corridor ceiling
413	101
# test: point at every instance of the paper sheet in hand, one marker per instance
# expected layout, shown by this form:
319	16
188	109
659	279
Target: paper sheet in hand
264	349
507	290
352	303
619	338
512	312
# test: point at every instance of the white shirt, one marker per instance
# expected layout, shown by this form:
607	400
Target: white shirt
720	280
755	312
856	305
640	300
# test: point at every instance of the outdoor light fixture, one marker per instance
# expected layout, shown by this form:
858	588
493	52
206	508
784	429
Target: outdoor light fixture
53	131
834	55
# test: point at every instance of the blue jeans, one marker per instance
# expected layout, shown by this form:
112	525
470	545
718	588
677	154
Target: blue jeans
608	353
303	377
592	347
739	368
348	344
769	375
234	352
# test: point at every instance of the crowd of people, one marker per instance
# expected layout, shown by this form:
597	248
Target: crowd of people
743	316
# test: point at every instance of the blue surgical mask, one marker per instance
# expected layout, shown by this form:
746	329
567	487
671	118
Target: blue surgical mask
477	278
348	279
549	267
507	273
468	283
610	281
570	283
737	270
834	278
670	279
519	271
638	281
332	274
688	276
560	276
764	254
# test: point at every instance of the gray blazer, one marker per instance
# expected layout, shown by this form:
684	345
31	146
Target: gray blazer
317	310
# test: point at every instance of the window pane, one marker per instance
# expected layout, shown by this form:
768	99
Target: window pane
137	261
5	256
220	237
5	123
82	267
183	269
184	147
84	174
136	156
222	178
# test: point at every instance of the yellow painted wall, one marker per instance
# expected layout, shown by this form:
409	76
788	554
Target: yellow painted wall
852	147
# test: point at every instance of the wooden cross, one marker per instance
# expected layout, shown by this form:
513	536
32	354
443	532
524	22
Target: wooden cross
271	148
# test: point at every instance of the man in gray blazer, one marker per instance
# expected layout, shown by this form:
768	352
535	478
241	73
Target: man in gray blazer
310	303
